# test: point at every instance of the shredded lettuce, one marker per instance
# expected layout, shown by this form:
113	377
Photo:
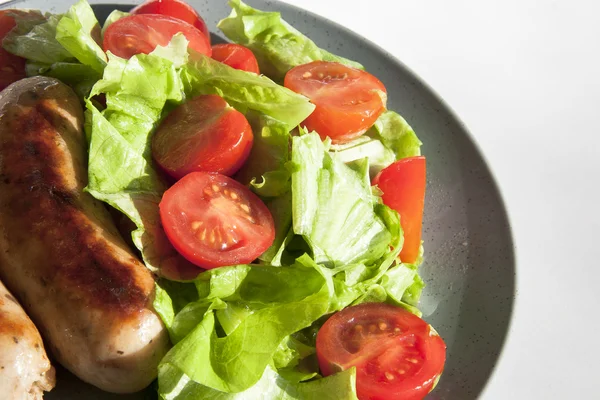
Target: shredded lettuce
277	45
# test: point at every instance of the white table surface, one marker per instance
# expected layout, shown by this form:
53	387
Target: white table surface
524	75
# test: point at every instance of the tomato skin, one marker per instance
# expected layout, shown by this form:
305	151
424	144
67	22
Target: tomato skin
141	33
215	221
397	355
403	186
348	101
12	67
176	9
203	134
236	56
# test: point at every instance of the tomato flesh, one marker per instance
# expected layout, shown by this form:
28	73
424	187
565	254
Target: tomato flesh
397	355
203	134
214	221
236	56
141	33
348	101
176	9
12	68
403	186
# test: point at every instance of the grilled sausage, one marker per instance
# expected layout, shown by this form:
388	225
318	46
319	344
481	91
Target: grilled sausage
60	253
25	371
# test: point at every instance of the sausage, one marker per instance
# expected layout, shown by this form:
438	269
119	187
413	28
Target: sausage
60	253
25	371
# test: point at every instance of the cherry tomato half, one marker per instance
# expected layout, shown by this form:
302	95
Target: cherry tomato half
214	221
348	101
12	68
176	9
203	134
403	186
236	56
137	34
397	355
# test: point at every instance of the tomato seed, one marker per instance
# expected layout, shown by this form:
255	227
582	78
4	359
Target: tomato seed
389	376
233	195
196	225
306	75
245	207
215	188
382	326
358	328
401	371
372	328
412	360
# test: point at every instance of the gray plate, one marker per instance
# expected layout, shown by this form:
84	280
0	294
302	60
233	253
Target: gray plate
469	265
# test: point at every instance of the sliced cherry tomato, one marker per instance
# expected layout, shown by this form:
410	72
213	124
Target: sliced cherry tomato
12	68
136	34
214	221
397	355
348	101
403	186
203	134
236	56
176	9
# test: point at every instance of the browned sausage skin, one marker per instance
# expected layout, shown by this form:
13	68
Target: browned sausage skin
60	253
25	371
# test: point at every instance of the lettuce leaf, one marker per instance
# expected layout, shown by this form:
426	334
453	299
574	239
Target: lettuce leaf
245	90
374	150
396	134
333	207
277	45
61	46
277	303
265	167
78	31
113	17
271	386
34	38
80	77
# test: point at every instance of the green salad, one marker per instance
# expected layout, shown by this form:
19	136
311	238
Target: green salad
250	330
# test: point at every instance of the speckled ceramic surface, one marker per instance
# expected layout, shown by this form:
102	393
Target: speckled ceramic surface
469	266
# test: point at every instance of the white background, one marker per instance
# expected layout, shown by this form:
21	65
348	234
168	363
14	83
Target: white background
524	75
